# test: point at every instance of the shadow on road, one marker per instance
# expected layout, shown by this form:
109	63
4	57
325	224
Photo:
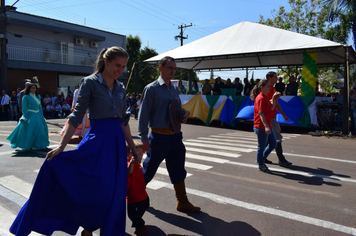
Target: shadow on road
316	175
30	153
202	224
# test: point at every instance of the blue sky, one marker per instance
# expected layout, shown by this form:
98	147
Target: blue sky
156	22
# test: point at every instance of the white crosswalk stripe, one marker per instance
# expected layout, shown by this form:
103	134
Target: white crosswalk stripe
206	158
221	143
17	185
230	141
252	135
164	171
6	219
218	147
212	152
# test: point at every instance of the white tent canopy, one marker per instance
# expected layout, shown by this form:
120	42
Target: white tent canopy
249	45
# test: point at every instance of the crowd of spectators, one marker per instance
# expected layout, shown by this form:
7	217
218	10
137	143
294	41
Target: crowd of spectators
133	104
54	106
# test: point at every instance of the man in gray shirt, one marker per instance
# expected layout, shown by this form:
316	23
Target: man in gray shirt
21	94
163	142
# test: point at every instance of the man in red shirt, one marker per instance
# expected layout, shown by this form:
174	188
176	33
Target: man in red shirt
272	77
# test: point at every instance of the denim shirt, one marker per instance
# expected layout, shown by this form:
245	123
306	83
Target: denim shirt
154	111
95	96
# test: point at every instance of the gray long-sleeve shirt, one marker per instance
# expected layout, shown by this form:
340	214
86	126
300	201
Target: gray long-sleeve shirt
154	111
95	96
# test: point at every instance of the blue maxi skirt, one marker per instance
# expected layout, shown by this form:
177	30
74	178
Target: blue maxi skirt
84	187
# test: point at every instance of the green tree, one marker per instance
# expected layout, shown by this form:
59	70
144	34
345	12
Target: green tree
305	17
327	80
133	46
147	73
343	14
308	17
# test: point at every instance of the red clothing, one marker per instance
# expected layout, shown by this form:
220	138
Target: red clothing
262	104
270	96
136	186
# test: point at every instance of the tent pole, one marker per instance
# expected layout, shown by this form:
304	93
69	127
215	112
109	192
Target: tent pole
136	73
345	110
190	79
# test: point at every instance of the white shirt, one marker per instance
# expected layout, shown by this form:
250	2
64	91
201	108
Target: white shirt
58	108
49	107
5	100
66	107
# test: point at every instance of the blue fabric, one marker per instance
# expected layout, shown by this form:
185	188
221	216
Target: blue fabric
32	132
262	150
84	187
170	148
246	109
227	111
294	109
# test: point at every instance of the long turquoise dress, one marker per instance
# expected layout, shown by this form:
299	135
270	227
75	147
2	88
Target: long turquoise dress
32	132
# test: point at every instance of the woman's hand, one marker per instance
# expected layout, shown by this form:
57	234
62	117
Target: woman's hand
268	130
54	153
137	158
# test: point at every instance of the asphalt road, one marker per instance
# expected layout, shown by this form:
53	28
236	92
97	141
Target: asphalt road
315	196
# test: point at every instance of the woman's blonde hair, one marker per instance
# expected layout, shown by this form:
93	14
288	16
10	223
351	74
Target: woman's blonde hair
109	54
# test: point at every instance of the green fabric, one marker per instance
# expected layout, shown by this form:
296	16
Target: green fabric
212	99
237	101
305	120
227	92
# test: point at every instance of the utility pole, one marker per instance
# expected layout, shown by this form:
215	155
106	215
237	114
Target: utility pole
181	27
3	76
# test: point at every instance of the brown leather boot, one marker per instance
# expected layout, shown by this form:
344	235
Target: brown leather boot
183	203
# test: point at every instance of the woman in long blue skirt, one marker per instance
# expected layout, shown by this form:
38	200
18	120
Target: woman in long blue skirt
86	187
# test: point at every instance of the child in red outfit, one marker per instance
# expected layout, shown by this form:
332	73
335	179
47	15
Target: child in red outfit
137	197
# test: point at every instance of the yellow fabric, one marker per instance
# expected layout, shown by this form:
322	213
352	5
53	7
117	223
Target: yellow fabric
198	109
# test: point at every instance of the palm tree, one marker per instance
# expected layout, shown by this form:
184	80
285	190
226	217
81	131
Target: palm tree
343	12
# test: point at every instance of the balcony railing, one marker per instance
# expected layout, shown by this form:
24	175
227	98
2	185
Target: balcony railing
49	56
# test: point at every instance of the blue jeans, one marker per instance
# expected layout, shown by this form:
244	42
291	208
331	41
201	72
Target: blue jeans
13	109
262	139
169	148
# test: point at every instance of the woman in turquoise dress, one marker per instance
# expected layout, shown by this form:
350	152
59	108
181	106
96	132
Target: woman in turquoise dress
31	131
194	89
181	87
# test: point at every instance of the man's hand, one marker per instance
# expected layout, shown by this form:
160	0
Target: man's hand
146	145
286	118
276	95
186	115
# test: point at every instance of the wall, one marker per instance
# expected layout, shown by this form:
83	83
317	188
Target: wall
47	80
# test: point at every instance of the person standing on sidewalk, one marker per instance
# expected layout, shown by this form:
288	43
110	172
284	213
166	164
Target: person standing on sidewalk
165	140
272	78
